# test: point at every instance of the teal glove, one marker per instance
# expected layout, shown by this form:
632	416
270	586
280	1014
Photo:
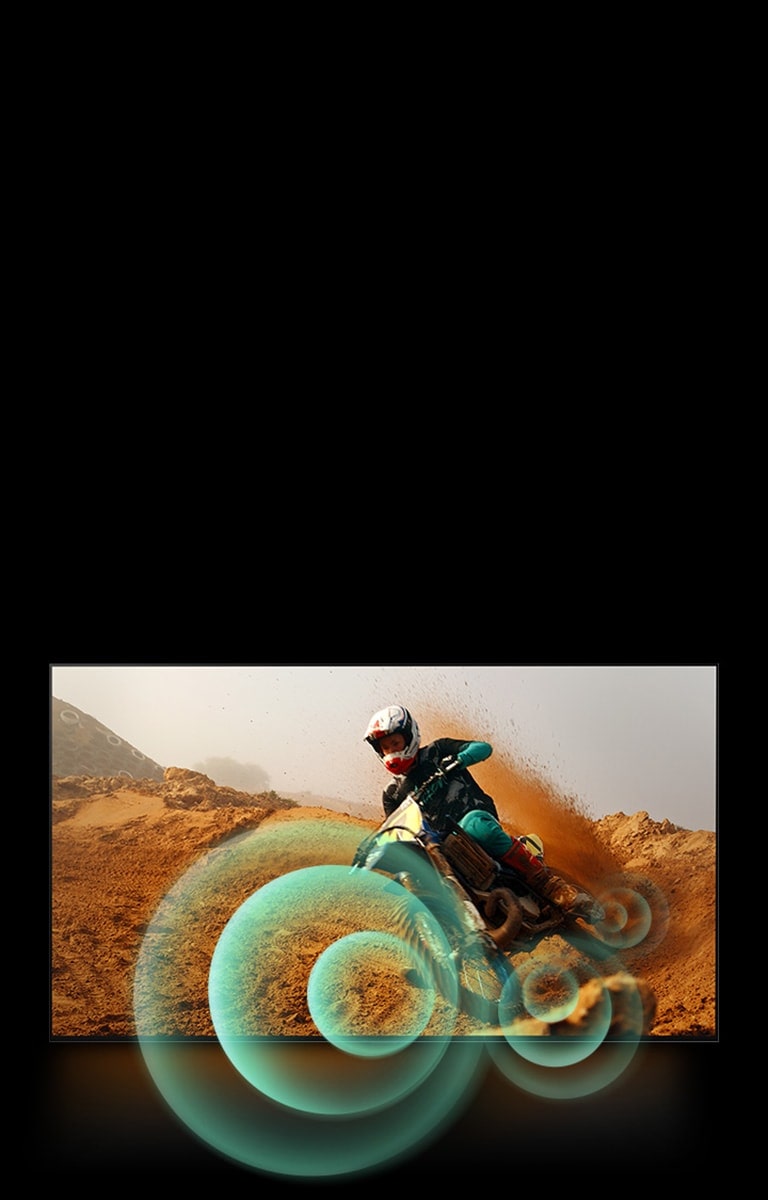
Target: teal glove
474	752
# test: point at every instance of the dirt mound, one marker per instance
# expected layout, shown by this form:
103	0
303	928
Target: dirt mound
119	847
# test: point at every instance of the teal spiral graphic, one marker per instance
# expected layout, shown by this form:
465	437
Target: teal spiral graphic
547	994
300	1106
337	1003
239	1122
557	1013
636	912
289	937
252	949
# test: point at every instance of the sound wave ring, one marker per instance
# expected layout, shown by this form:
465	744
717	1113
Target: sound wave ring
285	1106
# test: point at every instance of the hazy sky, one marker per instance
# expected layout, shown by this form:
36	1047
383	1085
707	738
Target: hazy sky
620	738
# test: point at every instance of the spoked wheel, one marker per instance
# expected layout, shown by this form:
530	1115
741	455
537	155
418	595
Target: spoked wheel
476	965
482	975
484	970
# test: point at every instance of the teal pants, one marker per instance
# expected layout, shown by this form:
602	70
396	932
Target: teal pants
486	830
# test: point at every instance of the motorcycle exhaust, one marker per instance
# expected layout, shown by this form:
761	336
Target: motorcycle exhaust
504	934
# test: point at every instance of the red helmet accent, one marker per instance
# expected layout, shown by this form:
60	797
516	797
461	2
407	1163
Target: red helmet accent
394	719
397	764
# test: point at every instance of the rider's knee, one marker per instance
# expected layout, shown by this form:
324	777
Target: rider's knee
486	830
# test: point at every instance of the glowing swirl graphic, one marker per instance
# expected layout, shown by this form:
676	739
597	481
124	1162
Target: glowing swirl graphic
251	951
636	912
363	1082
557	1014
294	1107
350	1024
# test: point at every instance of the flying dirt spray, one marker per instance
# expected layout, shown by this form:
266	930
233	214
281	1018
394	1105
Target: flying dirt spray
526	801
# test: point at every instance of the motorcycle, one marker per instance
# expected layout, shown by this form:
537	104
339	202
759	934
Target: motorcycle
482	912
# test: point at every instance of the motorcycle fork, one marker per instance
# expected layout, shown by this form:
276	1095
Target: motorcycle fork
470	914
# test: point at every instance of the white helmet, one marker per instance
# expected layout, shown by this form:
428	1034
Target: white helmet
394	719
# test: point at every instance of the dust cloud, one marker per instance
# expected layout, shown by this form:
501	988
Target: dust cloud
526	801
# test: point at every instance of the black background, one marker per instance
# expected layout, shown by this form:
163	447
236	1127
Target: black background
99	1114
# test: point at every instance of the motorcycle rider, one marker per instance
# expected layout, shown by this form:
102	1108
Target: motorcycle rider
394	735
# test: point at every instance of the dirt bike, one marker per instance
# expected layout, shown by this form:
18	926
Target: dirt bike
485	911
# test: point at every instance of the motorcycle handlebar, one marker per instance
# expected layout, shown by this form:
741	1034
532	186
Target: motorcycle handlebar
440	773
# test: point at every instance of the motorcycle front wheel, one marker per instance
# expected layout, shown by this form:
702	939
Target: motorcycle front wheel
480	969
482	976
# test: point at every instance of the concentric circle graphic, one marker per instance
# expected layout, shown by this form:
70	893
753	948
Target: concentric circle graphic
636	912
338	1004
548	992
289	936
574	1054
256	947
238	1121
285	1106
554	1080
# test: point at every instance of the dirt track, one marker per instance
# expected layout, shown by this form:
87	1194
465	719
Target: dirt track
118	851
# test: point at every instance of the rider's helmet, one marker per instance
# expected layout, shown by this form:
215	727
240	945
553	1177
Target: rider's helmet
534	844
394	719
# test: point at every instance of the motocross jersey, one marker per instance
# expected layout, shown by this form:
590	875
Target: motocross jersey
454	797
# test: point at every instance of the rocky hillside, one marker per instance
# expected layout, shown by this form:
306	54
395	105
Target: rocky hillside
81	745
120	844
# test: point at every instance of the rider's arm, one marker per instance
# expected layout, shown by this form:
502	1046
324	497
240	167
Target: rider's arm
474	752
389	801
